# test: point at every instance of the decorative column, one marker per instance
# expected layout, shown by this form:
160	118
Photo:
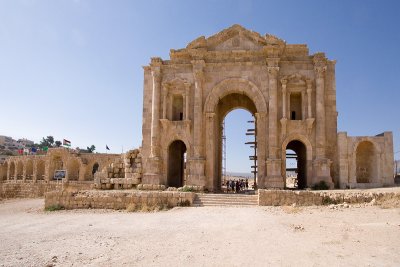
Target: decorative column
310	119
261	118
274	176
155	112
187	94
153	174
309	92
284	83
197	161
321	164
198	74
303	105
165	94
320	109
284	108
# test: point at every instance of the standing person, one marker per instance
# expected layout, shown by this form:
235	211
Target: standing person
247	183
233	186
237	187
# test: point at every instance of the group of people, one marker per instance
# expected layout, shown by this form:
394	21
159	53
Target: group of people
235	186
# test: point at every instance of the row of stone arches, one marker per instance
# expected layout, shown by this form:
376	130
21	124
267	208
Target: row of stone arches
44	169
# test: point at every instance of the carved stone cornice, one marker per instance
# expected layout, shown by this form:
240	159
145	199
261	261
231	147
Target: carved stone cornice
156	62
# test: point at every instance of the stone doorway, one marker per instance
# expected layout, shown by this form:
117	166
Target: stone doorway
176	164
296	165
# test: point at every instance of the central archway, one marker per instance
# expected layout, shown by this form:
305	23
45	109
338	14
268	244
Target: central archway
226	96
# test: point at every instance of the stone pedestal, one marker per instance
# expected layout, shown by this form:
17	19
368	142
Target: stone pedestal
322	171
153	174
274	175
196	172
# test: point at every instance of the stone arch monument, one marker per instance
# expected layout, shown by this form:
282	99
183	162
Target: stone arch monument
291	93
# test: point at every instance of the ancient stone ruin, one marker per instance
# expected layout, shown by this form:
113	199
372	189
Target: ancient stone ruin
290	92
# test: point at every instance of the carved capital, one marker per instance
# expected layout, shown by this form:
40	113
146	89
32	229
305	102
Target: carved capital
320	71
156	73
210	115
187	86
309	84
273	71
260	116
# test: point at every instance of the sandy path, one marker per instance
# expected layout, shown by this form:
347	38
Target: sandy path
258	236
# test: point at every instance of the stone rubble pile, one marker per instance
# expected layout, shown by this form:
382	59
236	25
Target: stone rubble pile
125	172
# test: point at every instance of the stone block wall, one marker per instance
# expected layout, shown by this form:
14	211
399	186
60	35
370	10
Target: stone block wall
31	190
116	199
310	198
125	172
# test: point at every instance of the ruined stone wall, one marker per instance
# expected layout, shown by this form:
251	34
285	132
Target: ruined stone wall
32	190
124	172
376	169
310	198
116	199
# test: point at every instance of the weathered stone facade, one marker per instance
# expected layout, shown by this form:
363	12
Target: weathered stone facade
292	95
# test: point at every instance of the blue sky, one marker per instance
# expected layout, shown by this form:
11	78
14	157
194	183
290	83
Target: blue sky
73	69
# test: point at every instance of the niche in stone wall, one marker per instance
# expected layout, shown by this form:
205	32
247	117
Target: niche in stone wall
177	107
366	164
295	106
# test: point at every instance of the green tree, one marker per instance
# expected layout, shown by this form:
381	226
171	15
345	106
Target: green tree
58	143
91	149
47	142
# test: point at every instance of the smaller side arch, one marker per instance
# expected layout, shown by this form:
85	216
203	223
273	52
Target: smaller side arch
306	164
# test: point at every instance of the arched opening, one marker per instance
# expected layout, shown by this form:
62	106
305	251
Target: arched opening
73	170
236	167
176	164
20	170
56	164
12	171
3	171
366	162
296	165
95	168
29	170
40	169
238	109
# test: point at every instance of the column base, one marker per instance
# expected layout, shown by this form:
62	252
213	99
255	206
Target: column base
153	173
274	177
322	171
275	182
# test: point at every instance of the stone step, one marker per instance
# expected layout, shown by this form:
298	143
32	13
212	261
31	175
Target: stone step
225	200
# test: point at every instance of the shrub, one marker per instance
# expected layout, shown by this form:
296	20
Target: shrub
185	203
54	208
322	185
187	189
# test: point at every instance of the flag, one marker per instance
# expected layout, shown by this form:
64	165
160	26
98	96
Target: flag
34	149
107	147
20	151
66	142
26	151
45	148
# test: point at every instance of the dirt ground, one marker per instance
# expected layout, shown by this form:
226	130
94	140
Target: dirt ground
205	236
